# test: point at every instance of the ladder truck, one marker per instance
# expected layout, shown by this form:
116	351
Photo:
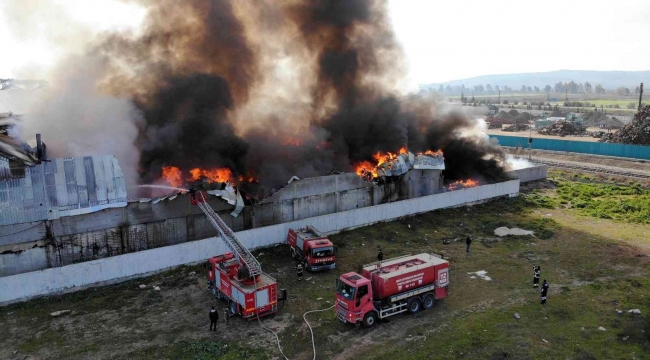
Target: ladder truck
236	276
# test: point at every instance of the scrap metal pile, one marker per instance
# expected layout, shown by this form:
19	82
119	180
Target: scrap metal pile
563	128
637	132
11	146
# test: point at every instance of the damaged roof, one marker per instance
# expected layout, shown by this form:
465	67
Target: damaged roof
60	187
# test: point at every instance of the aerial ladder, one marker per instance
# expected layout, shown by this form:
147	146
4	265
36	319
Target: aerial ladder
250	267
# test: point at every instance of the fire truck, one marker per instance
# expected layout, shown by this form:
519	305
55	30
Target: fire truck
310	247
408	283
236	277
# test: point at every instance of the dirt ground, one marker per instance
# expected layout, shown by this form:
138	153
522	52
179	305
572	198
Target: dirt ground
540	136
595	267
634	164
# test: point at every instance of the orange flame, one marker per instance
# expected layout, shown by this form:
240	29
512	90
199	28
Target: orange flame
432	153
214	175
172	175
462	184
366	169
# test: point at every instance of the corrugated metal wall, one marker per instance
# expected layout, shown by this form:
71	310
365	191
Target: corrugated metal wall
61	187
585	147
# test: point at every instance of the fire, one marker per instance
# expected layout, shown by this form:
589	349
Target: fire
384	157
214	175
432	153
366	169
249	177
462	184
172	175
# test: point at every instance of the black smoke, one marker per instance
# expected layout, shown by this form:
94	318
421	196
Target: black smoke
196	65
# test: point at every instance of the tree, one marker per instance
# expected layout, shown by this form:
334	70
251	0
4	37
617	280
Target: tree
599	89
478	89
449	89
547	88
523	89
441	89
588	88
497	88
623	91
488	89
536	89
637	89
572	87
559	87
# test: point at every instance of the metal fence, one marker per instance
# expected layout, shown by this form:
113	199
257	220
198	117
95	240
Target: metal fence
585	147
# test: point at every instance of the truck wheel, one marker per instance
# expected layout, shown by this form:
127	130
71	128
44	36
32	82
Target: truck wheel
369	320
414	306
233	307
429	301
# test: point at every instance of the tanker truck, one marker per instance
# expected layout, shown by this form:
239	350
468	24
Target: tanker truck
390	287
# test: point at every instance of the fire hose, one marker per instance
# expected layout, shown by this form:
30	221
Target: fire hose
277	339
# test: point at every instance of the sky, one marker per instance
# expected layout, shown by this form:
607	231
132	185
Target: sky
443	40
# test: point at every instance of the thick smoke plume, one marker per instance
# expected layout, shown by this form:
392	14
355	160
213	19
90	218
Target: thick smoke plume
277	89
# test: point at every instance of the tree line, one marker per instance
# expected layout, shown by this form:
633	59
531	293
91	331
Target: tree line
570	87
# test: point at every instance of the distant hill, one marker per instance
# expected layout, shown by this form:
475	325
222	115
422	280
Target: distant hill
608	79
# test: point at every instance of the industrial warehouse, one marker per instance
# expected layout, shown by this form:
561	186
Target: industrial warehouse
322	179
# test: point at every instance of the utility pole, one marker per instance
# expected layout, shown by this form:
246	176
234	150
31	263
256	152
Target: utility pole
499	96
640	96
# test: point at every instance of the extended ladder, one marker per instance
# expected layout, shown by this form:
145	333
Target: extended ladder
241	252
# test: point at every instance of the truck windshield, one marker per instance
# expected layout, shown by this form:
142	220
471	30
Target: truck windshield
323	252
345	290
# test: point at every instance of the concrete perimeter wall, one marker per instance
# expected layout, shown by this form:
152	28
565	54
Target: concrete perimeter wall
118	268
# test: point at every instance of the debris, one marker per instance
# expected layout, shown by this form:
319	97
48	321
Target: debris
602	328
517	316
192	273
635	311
319	299
563	128
619	311
60	313
544	340
481	274
308	279
625	338
503	231
157	288
143	286
260	254
637	132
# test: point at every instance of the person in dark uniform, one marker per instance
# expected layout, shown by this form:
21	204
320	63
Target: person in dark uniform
299	269
468	241
544	291
380	255
537	272
214	316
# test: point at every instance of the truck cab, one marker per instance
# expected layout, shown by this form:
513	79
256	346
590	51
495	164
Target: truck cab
354	299
311	248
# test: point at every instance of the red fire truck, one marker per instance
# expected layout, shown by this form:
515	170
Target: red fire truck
237	277
310	247
408	283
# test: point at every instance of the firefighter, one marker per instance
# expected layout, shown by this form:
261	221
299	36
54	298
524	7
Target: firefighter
299	269
380	255
544	291
468	241
214	316
537	272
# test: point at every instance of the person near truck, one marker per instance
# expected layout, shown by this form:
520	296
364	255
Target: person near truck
380	255
468	241
214	316
537	272
299	269
544	291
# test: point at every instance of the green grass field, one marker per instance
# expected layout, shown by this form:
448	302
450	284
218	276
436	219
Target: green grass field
595	258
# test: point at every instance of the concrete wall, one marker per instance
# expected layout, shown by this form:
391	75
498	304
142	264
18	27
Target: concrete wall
532	173
72	277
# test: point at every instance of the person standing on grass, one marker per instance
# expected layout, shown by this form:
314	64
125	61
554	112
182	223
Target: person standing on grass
544	291
214	316
468	241
299	269
537	272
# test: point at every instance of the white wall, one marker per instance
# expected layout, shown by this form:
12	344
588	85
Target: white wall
73	277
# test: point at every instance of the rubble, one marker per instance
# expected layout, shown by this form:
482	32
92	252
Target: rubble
635	311
60	313
637	132
563	128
